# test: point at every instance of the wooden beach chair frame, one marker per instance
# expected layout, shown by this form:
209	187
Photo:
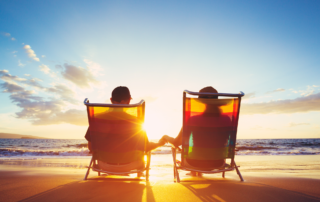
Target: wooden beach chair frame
232	166
93	163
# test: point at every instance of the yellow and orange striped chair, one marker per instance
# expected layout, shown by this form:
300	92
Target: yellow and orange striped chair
209	133
117	138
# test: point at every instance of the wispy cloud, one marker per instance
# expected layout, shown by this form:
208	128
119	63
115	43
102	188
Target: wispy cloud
44	68
63	91
80	76
8	35
11	87
300	104
93	67
20	64
38	109
298	124
4	75
249	96
31	53
275	91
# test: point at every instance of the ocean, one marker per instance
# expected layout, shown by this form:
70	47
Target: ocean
71	148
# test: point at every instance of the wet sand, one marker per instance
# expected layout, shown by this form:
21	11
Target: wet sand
267	178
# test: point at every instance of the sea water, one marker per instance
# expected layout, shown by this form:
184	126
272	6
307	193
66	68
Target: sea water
70	148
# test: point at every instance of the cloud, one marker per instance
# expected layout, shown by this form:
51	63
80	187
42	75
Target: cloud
33	82
4	75
27	74
8	35
58	67
80	76
37	109
275	91
20	64
249	95
93	67
11	88
64	92
43	56
50	112
298	124
300	104
44	68
309	91
72	116
31	53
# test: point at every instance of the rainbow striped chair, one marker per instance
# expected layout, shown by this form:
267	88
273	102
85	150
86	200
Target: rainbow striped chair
118	139
209	133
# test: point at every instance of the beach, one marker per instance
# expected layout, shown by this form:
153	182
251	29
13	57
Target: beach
267	178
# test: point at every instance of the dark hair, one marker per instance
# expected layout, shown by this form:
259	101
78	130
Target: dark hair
121	93
208	89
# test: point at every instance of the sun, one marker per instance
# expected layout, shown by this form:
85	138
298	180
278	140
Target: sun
154	128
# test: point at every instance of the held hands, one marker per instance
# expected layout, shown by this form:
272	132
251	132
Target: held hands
166	139
162	141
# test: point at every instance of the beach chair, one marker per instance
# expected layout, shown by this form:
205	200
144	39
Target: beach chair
209	133
117	138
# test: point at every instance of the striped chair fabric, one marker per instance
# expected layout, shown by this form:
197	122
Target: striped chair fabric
209	131
116	133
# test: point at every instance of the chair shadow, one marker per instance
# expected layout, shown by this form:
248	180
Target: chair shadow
219	190
99	189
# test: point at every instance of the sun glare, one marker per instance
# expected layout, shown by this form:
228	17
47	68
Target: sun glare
151	128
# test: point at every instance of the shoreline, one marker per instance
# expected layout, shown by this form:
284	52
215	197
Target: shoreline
267	178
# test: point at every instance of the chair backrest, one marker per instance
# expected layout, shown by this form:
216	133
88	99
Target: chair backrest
116	132
209	128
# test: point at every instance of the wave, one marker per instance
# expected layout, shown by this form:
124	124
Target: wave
18	152
254	148
64	148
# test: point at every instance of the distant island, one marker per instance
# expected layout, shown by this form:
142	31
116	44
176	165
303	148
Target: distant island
18	136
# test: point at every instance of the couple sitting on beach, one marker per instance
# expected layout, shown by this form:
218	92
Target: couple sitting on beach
121	95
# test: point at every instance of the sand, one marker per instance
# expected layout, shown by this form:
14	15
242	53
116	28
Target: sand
267	178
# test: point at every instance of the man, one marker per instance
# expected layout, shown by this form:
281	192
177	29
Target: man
121	95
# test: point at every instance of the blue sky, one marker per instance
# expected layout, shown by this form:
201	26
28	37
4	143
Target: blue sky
58	53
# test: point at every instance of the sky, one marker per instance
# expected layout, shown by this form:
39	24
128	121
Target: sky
54	54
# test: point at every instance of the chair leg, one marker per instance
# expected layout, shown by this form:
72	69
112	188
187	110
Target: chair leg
223	174
98	173
148	165
238	171
88	171
178	177
173	150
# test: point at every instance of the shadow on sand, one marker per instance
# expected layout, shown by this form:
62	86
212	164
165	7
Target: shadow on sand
99	189
232	190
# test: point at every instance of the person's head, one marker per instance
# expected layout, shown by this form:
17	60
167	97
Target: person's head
208	89
212	109
120	95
